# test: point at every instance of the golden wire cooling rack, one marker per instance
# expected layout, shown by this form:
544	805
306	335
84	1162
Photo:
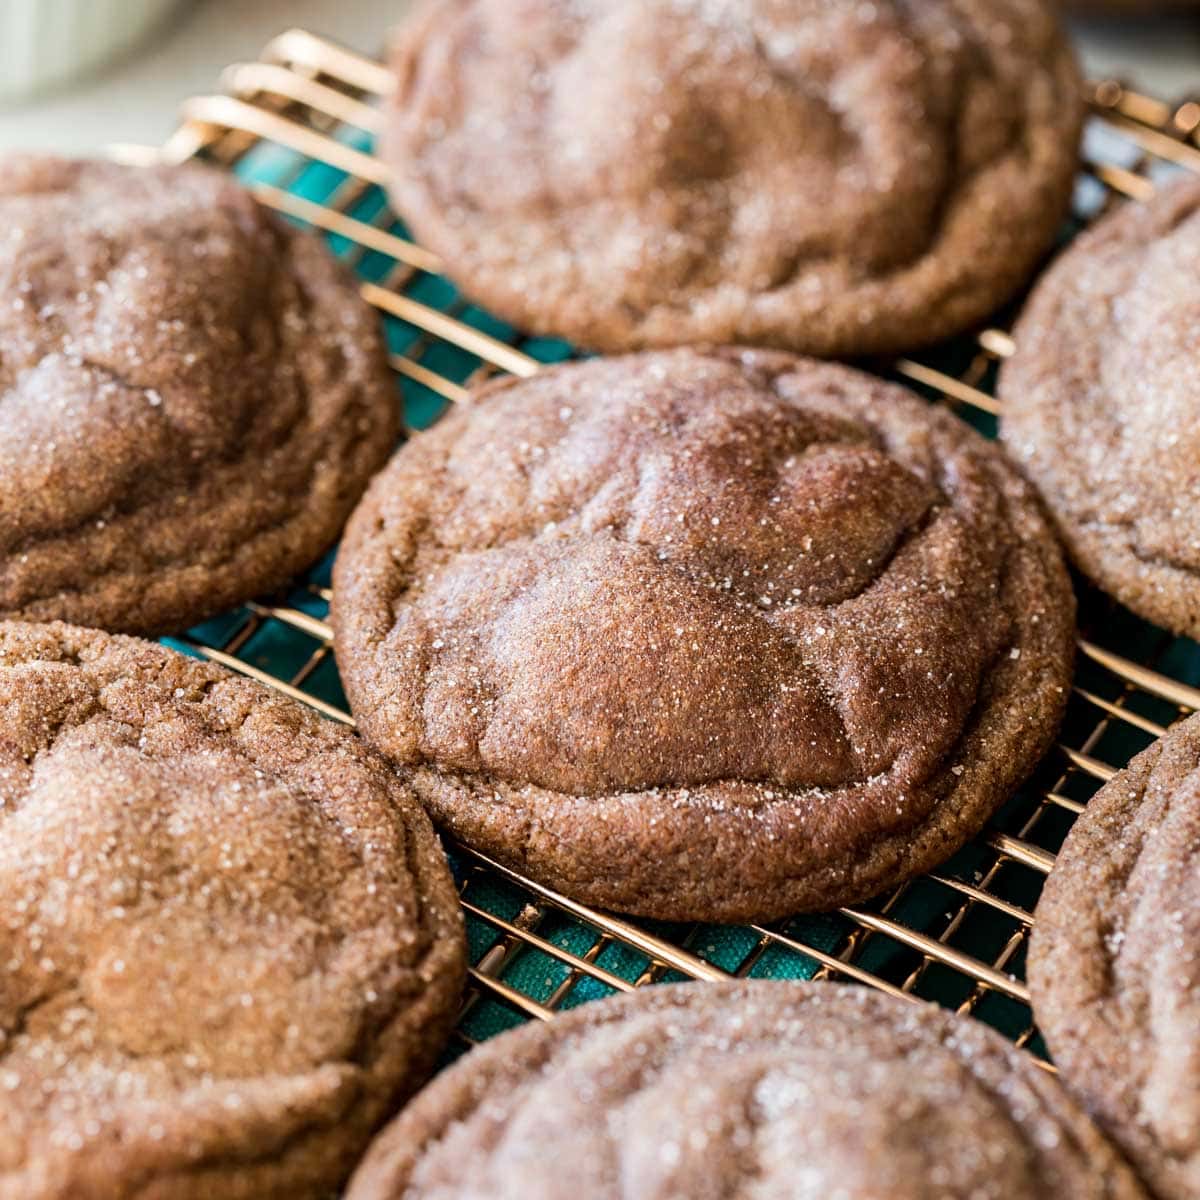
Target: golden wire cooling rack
297	126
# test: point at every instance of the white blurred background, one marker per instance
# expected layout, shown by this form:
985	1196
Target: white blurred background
136	98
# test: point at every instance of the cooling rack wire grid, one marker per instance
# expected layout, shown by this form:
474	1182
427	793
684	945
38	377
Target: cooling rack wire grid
297	126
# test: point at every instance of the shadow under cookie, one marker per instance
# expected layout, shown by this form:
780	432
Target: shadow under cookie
705	635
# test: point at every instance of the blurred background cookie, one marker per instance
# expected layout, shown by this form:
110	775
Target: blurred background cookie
740	1089
231	941
705	635
1101	404
194	395
837	179
1113	966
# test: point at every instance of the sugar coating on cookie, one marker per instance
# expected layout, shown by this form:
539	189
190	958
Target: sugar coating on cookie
231	943
705	635
1113	963
1101	403
830	178
745	1089
192	395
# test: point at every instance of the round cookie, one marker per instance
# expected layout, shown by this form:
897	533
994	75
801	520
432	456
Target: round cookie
705	635
835	179
231	943
745	1089
192	395
1101	404
1113	968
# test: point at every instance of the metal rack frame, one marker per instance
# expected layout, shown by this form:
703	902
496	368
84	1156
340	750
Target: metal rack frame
956	936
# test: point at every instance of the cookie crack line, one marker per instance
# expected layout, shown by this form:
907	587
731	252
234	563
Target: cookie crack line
685	566
24	1012
770	793
165	563
1093	522
132	504
956	180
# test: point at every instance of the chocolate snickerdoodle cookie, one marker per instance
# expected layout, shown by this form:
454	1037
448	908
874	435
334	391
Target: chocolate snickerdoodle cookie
192	395
705	635
1101	404
1113	966
746	1089
836	179
231	943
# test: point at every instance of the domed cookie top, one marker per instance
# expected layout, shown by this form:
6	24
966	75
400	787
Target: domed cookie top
231	942
1113	966
814	175
745	1089
1101	404
705	635
192	395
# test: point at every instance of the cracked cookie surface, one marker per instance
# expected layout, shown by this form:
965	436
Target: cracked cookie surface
1101	403
1113	966
831	178
192	395
745	1089
231	942
705	635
